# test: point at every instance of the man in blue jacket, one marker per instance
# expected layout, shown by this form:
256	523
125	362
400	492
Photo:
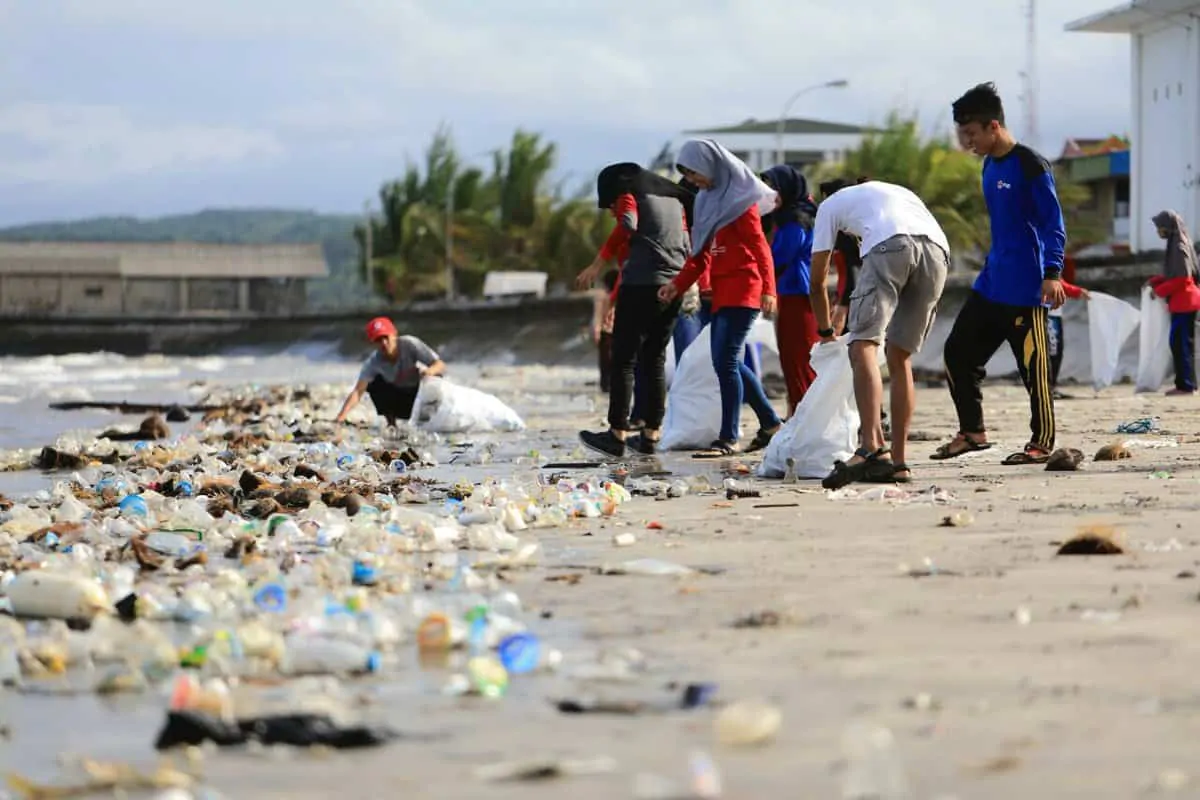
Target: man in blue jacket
1020	281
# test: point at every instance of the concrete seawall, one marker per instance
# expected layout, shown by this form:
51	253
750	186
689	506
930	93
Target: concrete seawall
550	331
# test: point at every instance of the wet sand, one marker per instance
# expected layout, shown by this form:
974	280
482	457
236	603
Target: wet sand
1091	698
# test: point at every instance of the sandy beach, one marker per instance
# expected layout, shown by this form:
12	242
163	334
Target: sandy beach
1001	669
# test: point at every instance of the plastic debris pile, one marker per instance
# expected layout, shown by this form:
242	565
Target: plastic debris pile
266	546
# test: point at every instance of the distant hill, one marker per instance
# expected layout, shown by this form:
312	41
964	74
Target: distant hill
335	232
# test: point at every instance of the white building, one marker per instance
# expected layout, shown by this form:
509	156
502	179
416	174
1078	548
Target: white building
1165	154
805	142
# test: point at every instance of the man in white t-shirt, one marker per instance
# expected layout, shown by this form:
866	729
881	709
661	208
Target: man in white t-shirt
905	261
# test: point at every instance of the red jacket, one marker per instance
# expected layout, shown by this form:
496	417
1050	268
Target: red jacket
1183	296
737	262
1072	291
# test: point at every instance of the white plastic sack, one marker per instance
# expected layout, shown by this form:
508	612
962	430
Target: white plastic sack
1154	344
693	418
824	428
1110	322
445	407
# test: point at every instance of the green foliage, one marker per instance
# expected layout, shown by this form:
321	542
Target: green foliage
228	226
505	218
948	180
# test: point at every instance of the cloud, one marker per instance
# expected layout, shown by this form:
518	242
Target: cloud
89	144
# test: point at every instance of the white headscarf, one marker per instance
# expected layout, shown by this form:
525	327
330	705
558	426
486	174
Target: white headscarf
735	189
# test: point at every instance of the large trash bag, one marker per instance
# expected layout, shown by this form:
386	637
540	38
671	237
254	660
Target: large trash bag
1110	322
1154	344
824	428
693	418
445	407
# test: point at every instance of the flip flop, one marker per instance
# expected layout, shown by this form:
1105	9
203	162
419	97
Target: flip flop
1030	455
717	449
967	445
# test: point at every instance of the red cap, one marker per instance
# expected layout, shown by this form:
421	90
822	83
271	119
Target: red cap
379	328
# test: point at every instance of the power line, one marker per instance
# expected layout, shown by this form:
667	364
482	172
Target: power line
1031	81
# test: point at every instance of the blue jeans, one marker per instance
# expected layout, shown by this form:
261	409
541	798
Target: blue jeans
1183	350
730	327
688	328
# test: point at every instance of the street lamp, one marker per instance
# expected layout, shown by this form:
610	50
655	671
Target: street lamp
838	84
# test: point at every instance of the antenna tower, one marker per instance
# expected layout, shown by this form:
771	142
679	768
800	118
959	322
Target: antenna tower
1031	81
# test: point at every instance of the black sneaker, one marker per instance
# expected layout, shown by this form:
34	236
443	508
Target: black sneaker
641	445
603	443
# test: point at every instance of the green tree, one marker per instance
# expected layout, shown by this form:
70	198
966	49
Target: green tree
509	219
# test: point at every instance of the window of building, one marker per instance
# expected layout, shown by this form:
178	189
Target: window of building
93	291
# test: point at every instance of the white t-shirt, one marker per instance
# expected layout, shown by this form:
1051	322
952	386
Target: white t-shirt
874	212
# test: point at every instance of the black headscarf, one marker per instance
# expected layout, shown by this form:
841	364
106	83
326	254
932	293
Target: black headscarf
796	205
629	178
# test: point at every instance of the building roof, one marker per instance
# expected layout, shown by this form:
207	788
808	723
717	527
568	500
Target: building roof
1132	16
1081	148
163	259
790	125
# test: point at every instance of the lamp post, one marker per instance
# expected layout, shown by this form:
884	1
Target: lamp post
838	84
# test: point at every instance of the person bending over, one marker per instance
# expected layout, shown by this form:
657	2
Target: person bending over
392	375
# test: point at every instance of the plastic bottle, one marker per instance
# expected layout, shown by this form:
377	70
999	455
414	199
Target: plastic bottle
873	767
488	676
47	595
317	655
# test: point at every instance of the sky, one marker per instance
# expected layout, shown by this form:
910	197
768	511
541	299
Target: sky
152	107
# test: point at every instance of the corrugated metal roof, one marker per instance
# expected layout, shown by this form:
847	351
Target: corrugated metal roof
1132	16
791	125
163	259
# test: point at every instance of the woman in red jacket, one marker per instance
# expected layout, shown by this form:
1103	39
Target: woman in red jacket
1178	285
728	243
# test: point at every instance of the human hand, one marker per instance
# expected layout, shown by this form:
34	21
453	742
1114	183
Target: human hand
587	276
839	318
668	293
1052	292
610	317
769	305
1085	294
595	334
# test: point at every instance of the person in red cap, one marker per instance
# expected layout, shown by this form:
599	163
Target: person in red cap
393	373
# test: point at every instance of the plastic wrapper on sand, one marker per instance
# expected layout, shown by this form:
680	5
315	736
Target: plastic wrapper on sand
824	428
693	418
445	407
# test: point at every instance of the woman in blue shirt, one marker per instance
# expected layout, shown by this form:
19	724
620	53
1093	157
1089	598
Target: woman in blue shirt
790	229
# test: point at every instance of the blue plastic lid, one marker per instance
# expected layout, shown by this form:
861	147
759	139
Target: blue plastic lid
520	652
271	598
374	662
363	574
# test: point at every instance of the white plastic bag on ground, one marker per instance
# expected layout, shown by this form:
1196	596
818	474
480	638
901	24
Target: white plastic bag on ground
824	428
1154	344
1110	322
693	418
445	407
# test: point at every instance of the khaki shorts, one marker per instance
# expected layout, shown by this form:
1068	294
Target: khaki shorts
897	293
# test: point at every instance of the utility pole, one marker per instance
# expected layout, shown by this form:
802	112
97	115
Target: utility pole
368	251
1031	79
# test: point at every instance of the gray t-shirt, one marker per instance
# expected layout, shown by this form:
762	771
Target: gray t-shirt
403	371
658	246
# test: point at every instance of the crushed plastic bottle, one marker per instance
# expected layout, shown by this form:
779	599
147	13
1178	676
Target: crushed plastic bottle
873	768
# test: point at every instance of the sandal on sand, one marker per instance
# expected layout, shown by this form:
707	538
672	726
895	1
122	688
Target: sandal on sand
886	471
867	470
1032	454
718	449
958	446
760	440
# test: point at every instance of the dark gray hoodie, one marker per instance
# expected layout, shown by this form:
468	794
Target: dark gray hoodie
1181	255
